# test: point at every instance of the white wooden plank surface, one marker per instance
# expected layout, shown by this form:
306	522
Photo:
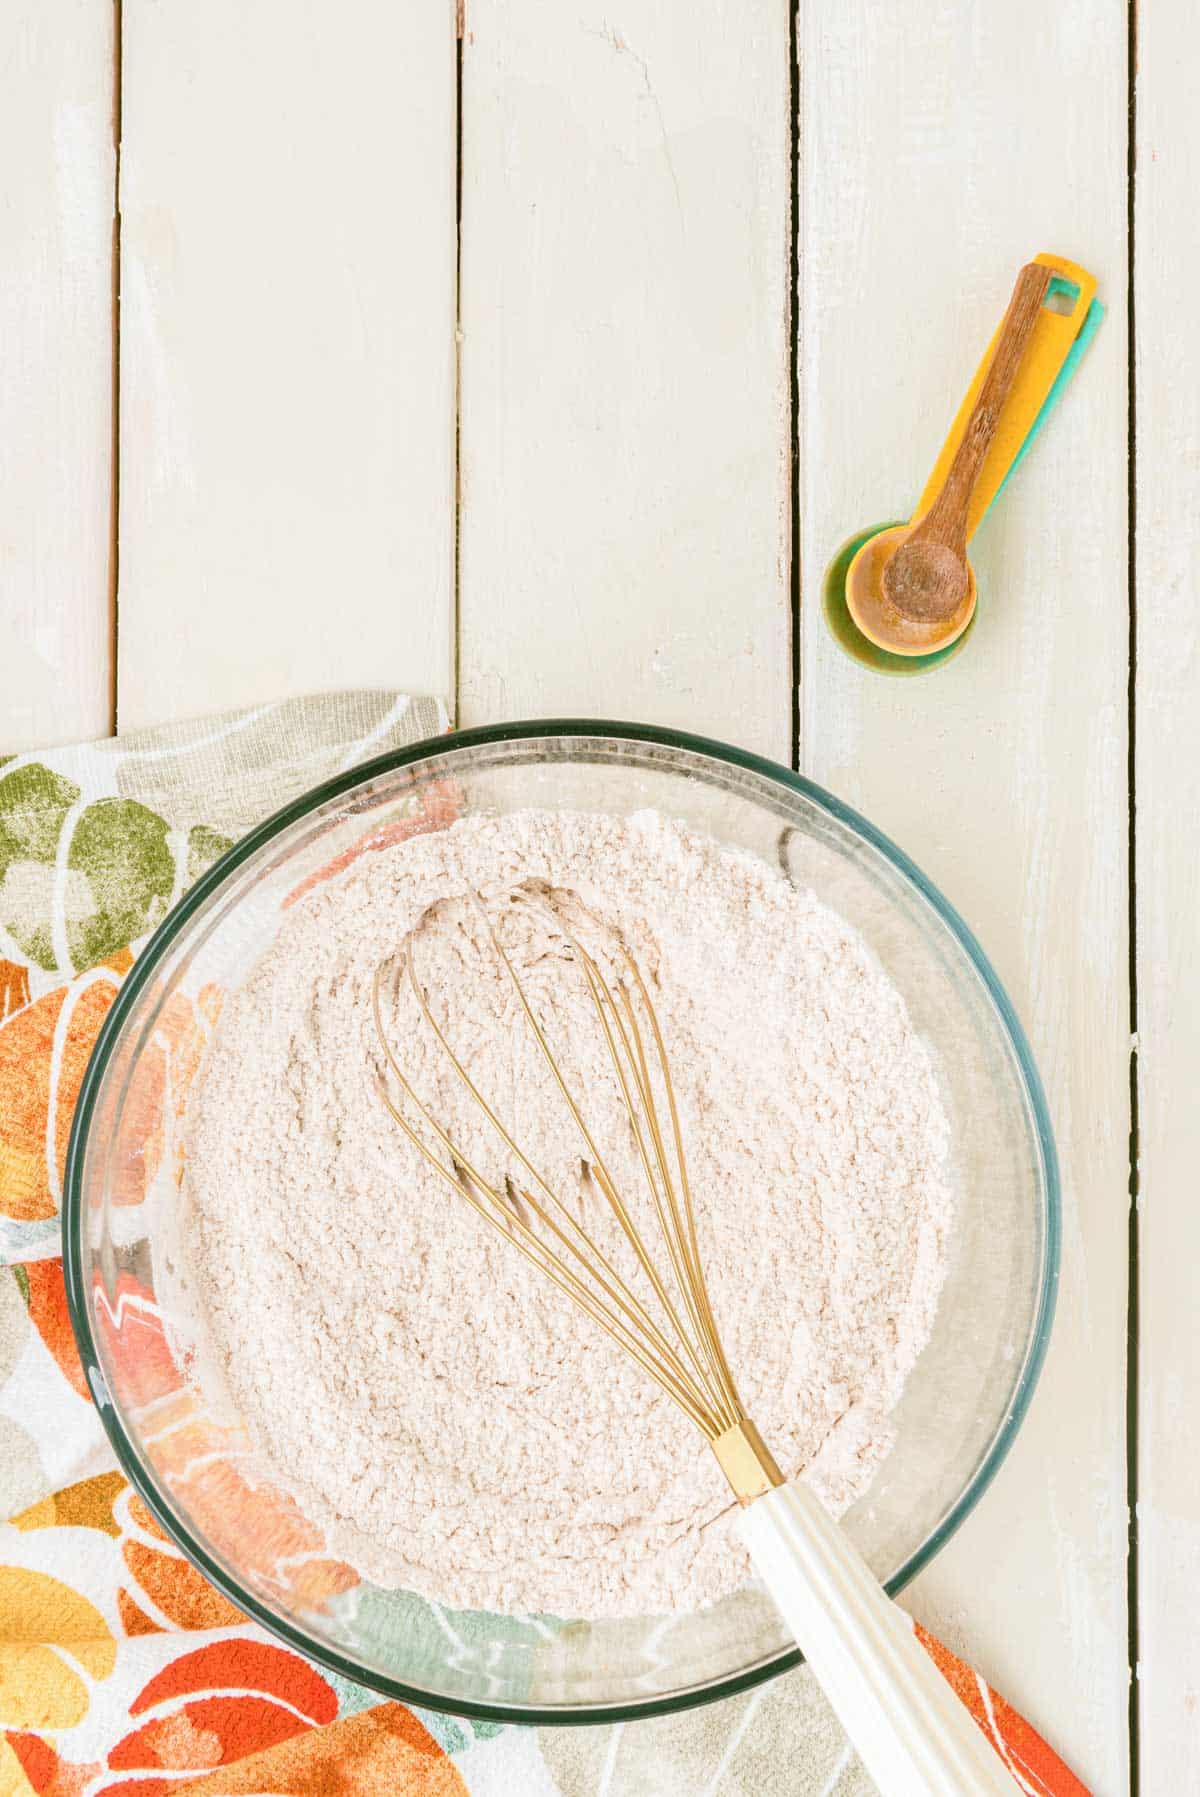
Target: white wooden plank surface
287	523
287	351
624	404
56	225
942	146
1168	889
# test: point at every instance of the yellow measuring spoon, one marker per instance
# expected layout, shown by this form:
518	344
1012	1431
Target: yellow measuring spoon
901	598
912	589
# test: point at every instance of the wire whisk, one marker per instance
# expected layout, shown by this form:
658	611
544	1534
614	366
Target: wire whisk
911	1732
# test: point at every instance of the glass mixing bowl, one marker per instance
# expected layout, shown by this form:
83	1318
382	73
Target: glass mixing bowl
167	1414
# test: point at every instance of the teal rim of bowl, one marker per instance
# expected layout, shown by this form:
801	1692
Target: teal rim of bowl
849	637
79	1307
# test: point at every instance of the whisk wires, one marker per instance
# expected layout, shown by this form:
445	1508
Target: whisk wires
680	1348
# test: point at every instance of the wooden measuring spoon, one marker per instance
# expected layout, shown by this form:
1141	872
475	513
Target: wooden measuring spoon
911	589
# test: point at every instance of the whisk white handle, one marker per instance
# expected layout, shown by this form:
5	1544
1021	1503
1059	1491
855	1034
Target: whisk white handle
911	1732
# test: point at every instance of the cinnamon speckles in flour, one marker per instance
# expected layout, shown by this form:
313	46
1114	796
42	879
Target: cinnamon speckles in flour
448	1416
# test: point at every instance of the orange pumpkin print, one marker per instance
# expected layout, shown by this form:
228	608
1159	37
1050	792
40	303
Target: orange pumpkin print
381	1752
46	1296
44	1772
14	988
44	1050
166	1069
441	803
199	1460
1035	1767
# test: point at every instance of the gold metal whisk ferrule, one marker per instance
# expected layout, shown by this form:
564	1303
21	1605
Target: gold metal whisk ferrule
746	1461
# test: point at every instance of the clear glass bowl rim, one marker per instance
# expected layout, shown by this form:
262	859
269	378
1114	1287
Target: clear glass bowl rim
530	730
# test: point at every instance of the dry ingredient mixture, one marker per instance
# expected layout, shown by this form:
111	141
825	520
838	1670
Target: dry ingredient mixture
452	1421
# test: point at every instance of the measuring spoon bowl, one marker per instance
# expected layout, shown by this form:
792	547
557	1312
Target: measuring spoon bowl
878	619
845	630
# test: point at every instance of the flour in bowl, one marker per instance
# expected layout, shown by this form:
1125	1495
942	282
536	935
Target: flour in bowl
451	1420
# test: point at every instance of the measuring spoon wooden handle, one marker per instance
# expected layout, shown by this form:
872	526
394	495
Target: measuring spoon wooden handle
927	578
946	520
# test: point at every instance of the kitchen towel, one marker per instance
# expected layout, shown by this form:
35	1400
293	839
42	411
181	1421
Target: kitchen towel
121	1669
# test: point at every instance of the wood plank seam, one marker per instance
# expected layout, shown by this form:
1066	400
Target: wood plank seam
452	697
1133	1310
114	554
795	427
